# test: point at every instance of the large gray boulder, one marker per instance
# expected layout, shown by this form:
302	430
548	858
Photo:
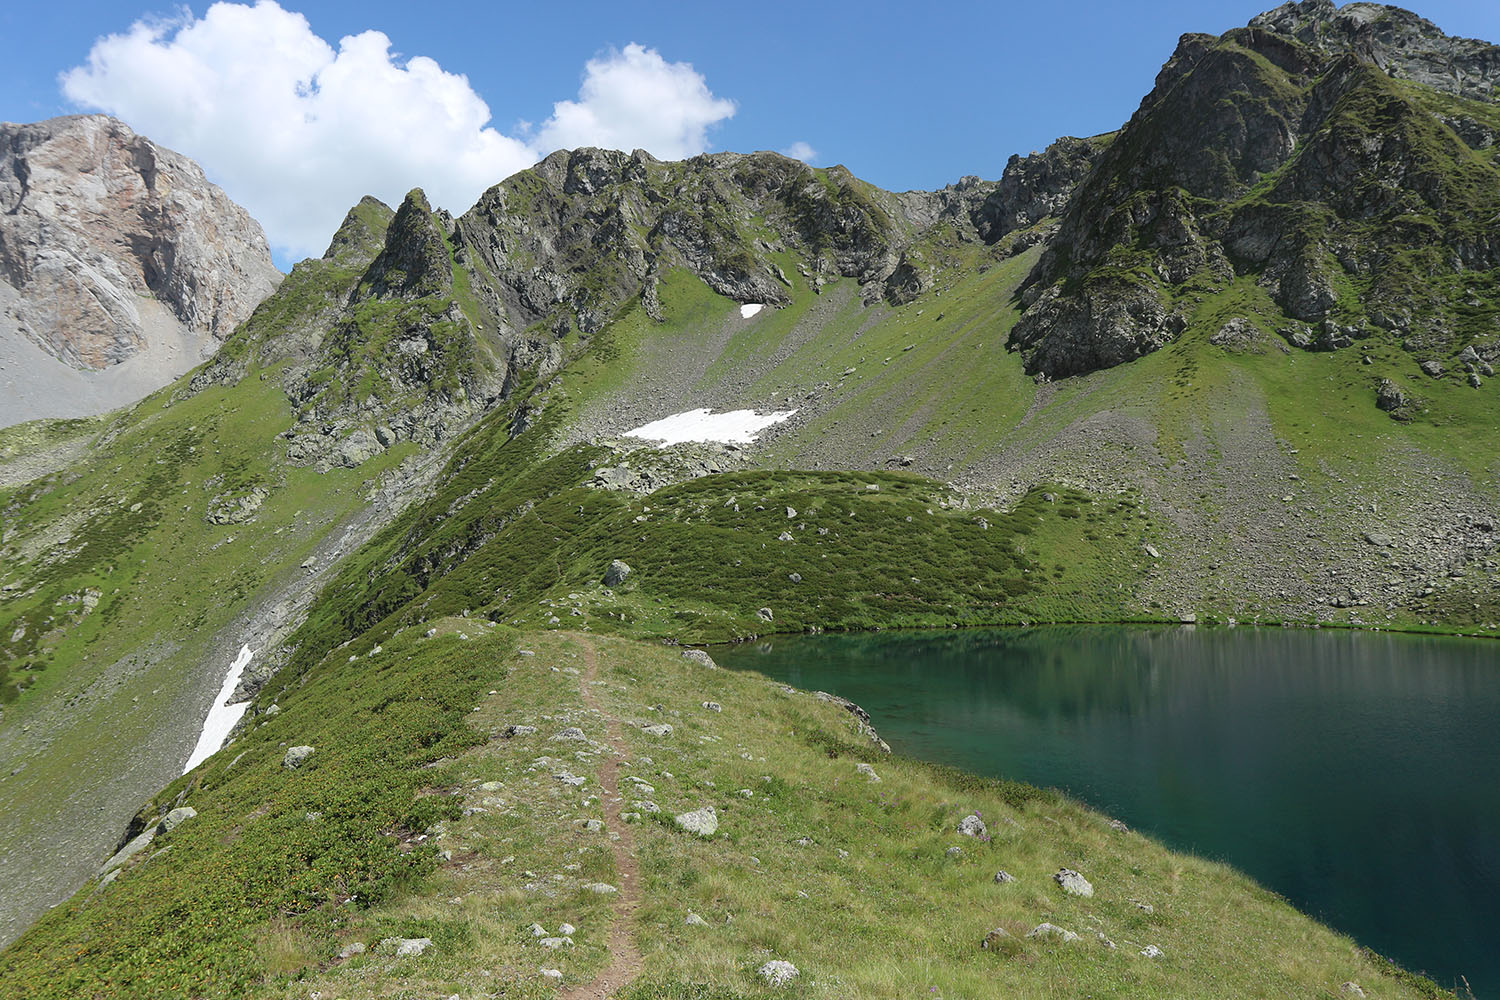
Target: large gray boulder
296	757
616	573
700	822
1073	883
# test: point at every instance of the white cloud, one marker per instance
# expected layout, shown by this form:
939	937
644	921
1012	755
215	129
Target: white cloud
636	99
801	151
296	130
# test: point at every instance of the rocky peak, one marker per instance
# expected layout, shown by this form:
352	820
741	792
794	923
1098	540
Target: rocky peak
94	218
1396	40
414	262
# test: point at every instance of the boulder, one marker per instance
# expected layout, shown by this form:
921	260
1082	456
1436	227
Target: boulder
1152	951
1432	368
764	614
777	973
660	729
700	822
616	573
995	938
1388	396
1073	883
1051	932
972	826
296	757
1004	877
867	771
700	657
174	818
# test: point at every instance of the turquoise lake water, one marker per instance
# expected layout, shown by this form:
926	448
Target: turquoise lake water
1358	774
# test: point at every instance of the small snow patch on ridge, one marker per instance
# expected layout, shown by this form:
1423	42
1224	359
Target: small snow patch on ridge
733	427
750	309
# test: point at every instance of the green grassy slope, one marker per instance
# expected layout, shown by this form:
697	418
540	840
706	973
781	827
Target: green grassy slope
417	818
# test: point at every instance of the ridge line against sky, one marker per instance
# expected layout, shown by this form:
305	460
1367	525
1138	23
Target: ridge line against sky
299	110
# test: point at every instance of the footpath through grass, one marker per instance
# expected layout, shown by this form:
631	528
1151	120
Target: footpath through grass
424	815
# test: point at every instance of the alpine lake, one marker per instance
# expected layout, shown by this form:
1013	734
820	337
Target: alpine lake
1355	773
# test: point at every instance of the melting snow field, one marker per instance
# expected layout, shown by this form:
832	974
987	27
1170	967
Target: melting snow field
750	309
223	716
733	427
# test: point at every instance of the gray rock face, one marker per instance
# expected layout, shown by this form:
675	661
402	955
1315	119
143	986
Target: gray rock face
1396	40
616	573
296	757
1388	396
112	246
1035	187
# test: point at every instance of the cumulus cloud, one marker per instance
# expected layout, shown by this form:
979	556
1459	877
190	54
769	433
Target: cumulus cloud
297	130
636	99
801	151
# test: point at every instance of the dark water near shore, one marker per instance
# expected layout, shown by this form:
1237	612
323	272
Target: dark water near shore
1358	774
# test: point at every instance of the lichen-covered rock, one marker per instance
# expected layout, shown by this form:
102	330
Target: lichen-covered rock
777	973
1073	883
296	757
700	822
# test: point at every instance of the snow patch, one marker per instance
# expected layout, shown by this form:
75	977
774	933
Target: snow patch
733	427
223	716
750	309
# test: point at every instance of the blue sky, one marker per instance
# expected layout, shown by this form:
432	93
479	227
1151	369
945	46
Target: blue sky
907	96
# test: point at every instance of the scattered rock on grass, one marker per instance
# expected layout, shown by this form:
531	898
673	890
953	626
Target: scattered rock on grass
693	920
1004	877
537	930
995	937
777	973
1152	951
557	942
972	826
571	733
1351	988
602	888
713	706
296	757
764	614
551	974
1073	883
616	573
701	657
660	729
867	771
511	732
702	822
350	950
407	947
1051	932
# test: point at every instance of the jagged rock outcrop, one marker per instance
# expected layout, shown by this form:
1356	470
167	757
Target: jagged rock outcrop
1297	152
1397	41
112	247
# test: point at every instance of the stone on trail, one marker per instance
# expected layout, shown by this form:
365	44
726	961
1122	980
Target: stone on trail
972	826
1051	932
616	573
296	757
701	822
1073	883
777	973
867	771
700	657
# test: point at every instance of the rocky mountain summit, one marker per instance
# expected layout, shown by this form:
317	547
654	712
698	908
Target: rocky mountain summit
113	248
1341	159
